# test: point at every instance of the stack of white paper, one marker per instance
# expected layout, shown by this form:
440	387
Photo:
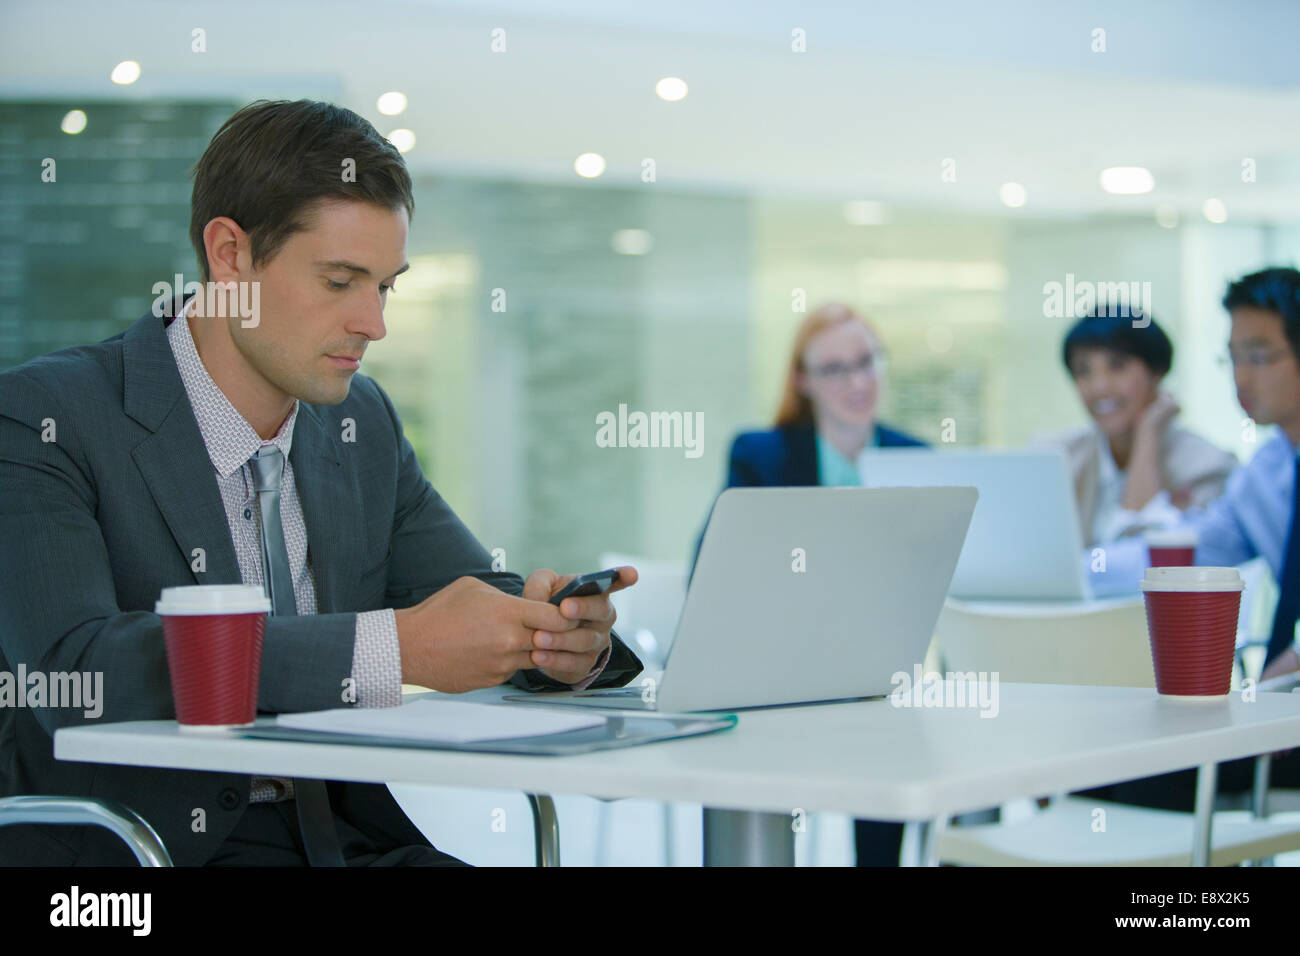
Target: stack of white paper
442	721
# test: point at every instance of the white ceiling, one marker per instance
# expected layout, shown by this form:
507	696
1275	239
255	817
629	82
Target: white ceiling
884	93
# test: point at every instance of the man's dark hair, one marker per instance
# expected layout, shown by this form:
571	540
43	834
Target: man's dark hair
1099	331
273	159
1275	290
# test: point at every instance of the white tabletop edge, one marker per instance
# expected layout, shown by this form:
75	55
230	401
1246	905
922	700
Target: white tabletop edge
689	770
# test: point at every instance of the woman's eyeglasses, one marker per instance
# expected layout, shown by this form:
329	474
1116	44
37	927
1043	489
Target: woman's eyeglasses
839	373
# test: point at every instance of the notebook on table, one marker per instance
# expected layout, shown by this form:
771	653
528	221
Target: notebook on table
486	728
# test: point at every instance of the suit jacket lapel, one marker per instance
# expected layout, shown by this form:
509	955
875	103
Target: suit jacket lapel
173	461
332	505
176	468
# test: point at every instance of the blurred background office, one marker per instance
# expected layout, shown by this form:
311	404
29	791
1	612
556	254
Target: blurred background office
635	204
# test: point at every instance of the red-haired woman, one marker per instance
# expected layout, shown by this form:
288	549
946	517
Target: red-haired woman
826	420
828	409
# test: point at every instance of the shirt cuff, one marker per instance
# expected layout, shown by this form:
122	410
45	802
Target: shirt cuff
377	660
596	671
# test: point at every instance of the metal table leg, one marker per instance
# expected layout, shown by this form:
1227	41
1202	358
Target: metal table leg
546	829
909	854
1206	785
670	851
747	838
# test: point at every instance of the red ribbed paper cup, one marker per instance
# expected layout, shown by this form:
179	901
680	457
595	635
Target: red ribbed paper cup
213	634
1172	548
1192	621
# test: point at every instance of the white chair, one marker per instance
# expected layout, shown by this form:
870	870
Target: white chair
1256	622
648	611
1094	643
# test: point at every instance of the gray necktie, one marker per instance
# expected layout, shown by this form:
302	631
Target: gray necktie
315	819
268	468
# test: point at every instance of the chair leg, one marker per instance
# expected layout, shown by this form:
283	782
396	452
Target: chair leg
1206	785
1259	797
930	843
129	826
1259	794
546	829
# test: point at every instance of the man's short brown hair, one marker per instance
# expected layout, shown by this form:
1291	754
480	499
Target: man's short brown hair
273	160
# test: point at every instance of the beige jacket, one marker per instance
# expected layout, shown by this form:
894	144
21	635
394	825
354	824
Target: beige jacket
1193	470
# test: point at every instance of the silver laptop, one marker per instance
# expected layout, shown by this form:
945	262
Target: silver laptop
804	594
1024	541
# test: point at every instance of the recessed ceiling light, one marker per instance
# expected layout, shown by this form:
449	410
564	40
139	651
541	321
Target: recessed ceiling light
74	121
589	165
1215	210
402	139
632	242
126	72
1013	195
671	88
1127	180
391	103
865	212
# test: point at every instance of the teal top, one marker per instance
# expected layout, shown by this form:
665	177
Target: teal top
833	469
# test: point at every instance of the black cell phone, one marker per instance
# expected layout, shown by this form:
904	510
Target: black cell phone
597	582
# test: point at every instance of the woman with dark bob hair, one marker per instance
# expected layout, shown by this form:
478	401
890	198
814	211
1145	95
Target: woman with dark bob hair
1134	468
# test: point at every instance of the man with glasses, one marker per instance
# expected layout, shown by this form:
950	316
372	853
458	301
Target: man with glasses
1255	516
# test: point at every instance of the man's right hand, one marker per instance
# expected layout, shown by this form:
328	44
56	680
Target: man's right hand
471	635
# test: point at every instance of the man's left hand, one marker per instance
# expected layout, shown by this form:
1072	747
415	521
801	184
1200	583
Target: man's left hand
569	656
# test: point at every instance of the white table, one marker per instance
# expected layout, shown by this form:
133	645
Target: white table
865	758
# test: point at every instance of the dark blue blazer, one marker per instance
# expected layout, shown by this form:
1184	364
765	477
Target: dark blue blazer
785	457
781	457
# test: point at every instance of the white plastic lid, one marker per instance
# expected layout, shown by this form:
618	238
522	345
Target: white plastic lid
1192	579
196	599
1171	538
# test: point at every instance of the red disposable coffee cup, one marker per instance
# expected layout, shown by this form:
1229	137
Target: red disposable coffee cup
213	634
1172	548
1192	621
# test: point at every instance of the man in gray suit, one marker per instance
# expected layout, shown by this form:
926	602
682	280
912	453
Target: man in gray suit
244	448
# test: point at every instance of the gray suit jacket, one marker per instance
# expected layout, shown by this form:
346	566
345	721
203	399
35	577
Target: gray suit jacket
96	522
